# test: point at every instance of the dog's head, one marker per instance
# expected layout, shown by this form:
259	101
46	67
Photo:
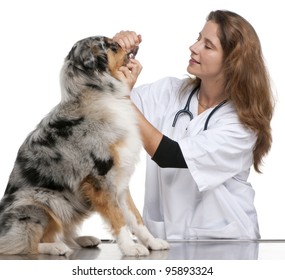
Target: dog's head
92	63
98	54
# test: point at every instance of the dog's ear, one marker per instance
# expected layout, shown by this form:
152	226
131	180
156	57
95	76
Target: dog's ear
89	54
89	61
71	53
82	57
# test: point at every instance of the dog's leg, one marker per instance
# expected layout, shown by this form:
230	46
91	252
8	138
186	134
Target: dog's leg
58	249
107	206
134	220
50	243
87	241
76	242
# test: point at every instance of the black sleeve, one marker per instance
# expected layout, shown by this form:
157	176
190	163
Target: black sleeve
169	154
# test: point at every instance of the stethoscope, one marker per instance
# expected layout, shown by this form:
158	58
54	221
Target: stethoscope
187	111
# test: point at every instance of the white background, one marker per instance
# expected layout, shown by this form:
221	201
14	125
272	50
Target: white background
37	35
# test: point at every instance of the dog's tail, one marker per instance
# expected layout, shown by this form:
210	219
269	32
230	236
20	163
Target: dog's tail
21	230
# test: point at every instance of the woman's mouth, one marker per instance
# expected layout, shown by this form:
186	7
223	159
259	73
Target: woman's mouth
193	61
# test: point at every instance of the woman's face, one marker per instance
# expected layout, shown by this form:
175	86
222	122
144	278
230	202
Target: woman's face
207	54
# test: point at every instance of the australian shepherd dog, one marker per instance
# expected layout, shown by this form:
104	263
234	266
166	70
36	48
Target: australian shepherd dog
78	160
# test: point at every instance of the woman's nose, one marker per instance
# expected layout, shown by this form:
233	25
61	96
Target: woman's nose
193	48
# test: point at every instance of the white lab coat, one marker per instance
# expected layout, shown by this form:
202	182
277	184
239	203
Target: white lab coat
212	198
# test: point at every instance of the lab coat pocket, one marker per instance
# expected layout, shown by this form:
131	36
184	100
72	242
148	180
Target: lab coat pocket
230	231
156	228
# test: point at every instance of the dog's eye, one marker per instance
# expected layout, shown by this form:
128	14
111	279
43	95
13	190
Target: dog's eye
113	47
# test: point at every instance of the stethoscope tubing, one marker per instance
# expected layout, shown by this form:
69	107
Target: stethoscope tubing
186	110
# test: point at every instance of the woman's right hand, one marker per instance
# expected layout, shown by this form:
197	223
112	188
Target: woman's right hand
129	73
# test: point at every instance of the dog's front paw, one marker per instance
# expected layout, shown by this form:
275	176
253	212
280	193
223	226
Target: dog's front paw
57	249
87	241
158	244
134	250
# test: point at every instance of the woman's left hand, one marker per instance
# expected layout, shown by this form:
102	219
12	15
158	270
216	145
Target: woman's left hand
128	40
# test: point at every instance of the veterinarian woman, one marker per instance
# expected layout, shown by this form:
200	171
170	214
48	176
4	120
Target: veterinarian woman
200	157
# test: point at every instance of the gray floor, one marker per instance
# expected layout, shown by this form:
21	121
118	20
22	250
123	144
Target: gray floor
188	250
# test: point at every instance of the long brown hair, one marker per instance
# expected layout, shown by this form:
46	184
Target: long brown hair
247	80
247	83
